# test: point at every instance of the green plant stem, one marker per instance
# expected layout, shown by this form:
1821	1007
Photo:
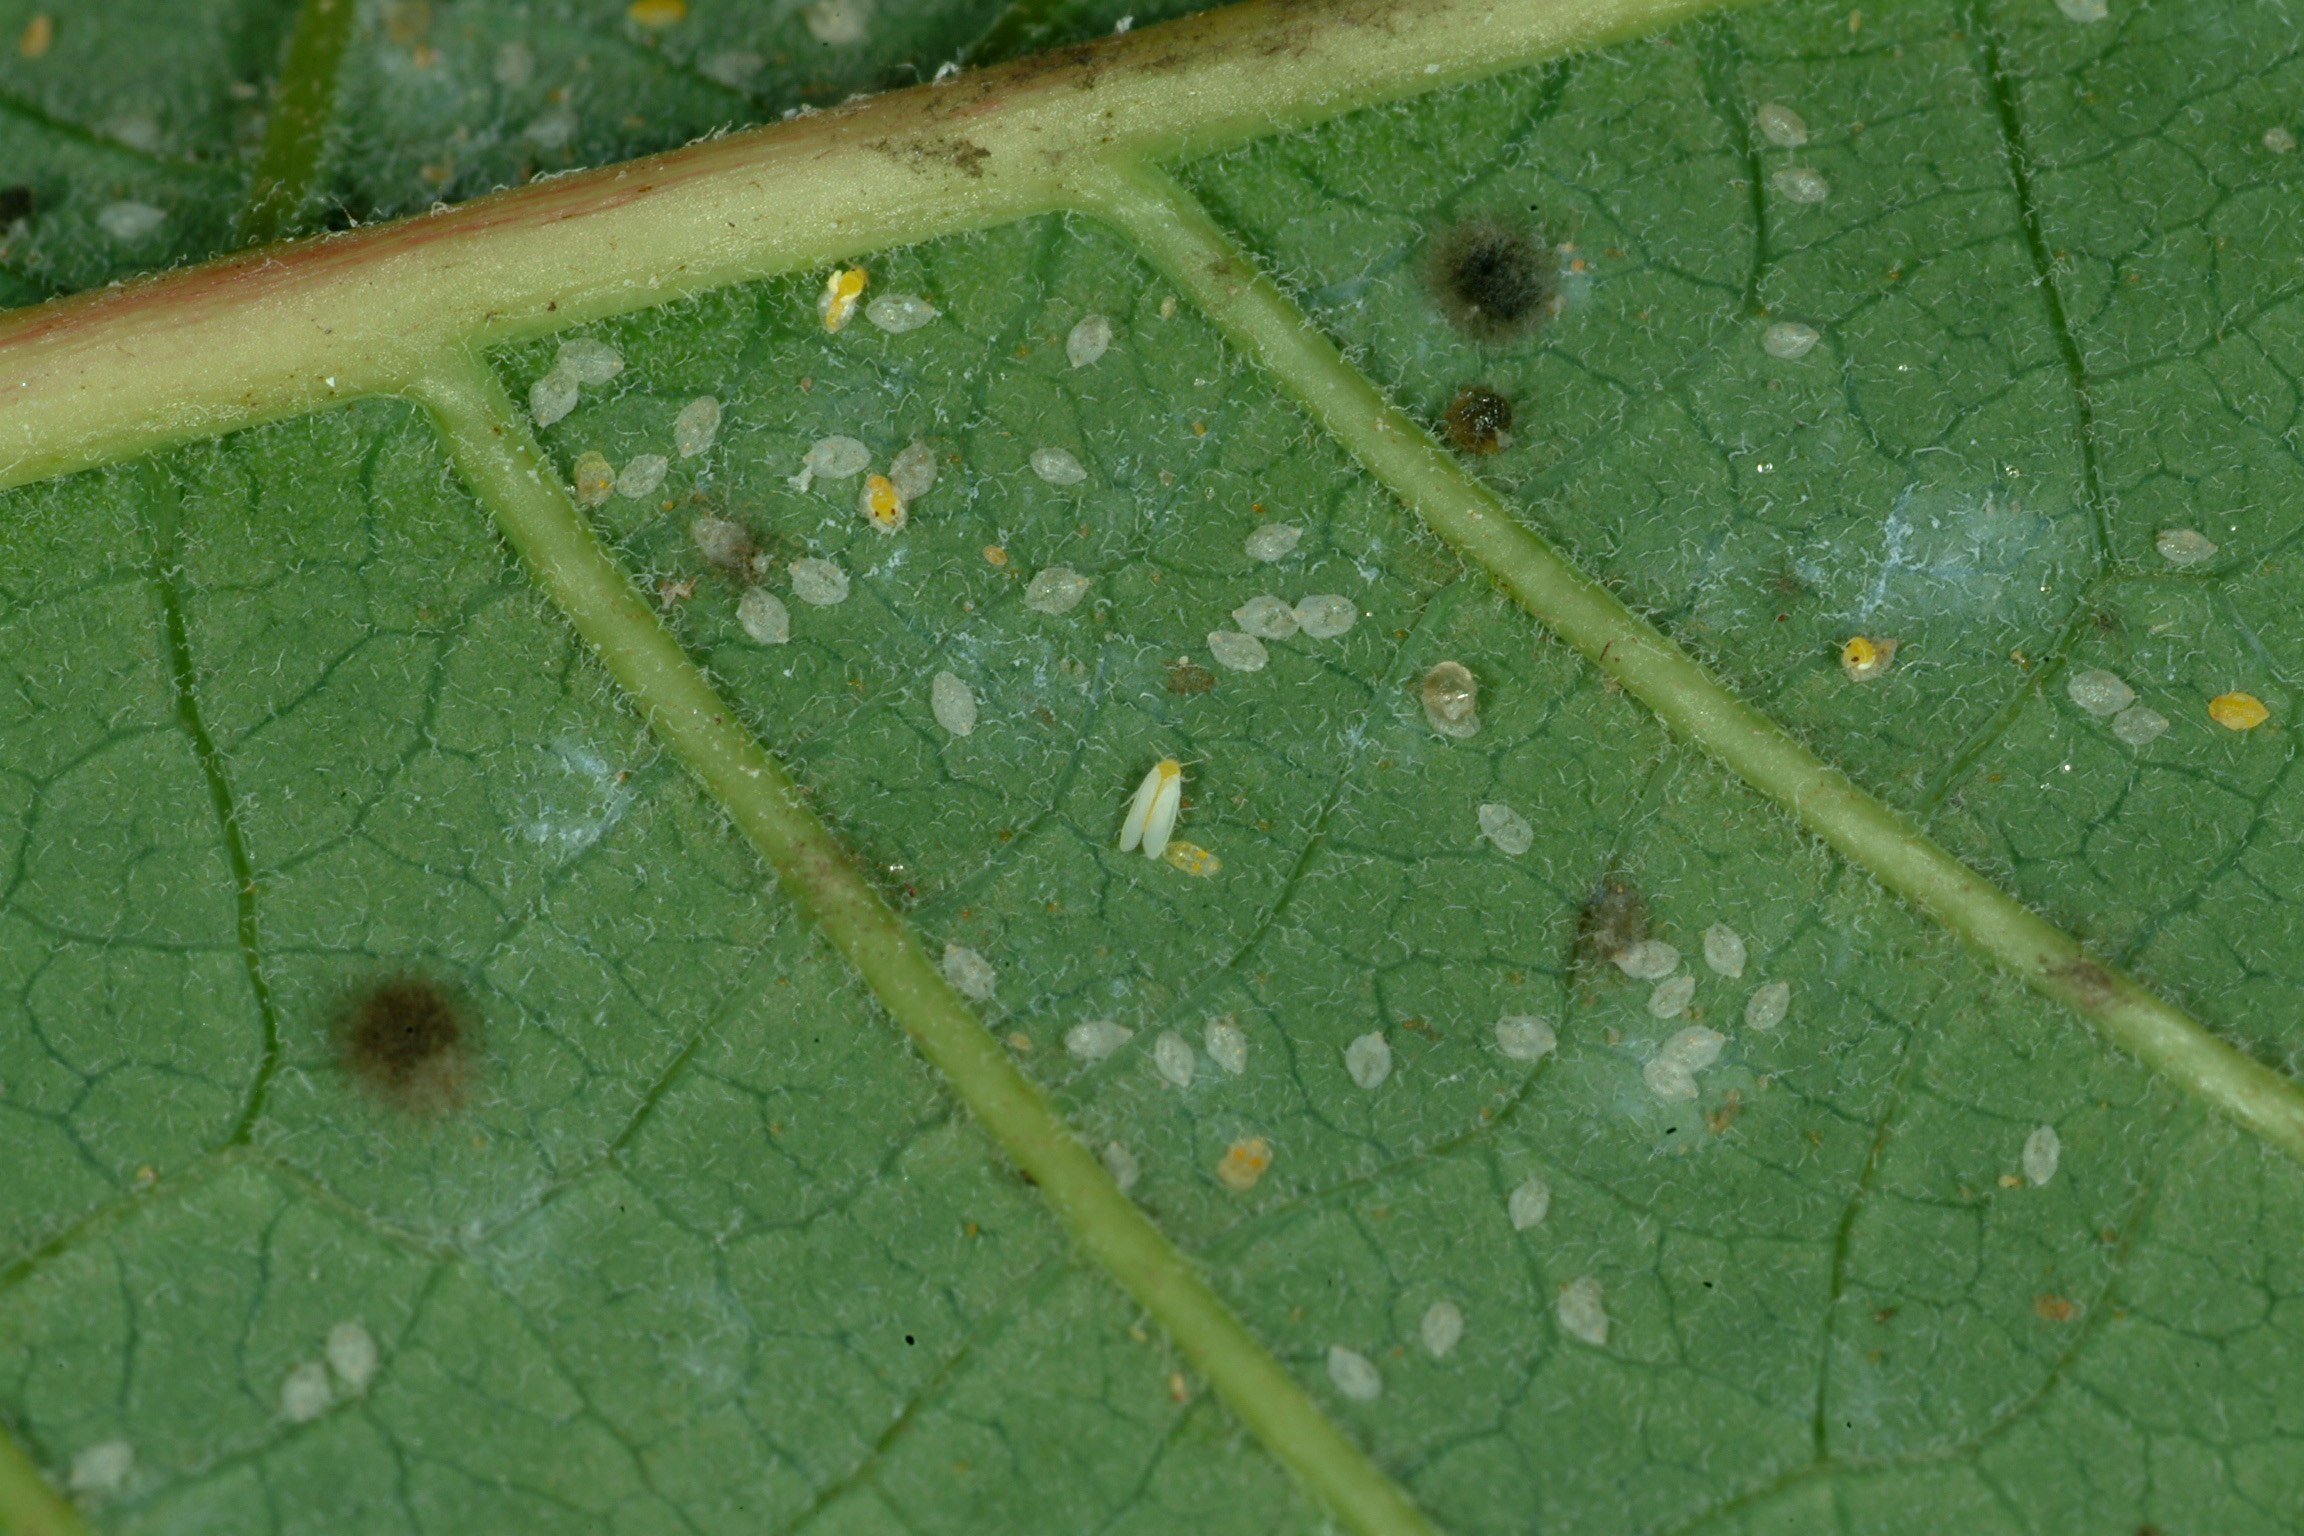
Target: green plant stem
104	375
502	462
28	1506
295	146
1172	230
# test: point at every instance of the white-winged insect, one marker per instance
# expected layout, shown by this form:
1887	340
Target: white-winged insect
1152	814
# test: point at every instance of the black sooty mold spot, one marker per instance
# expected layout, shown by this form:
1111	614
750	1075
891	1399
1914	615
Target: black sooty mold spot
410	1040
1493	277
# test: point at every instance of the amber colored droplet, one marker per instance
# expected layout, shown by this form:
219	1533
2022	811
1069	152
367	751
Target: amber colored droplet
2054	1309
1191	858
2238	711
995	555
1244	1163
1479	420
38	34
657	13
1865	657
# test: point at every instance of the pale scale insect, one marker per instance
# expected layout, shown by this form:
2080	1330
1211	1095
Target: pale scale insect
1057	467
1451	698
1092	1040
819	583
588	360
1648	960
1672	997
764	616
970	973
2099	692
1780	125
913	471
1669	1080
2137	725
720	541
1243	1163
1227	1045
2084	11
1695	1047
1273	541
1583	1311
1325	615
697	426
1354	1374
552	397
1523	1037
1237	652
897	313
1442	1328
1789	340
1369	1060
1088	341
2043	1149
1172	1059
1057	589
2184	546
305	1393
1152	814
351	1351
130	222
835	458
1507	829
2279	140
644	476
1799	184
102	1468
1768	1006
1529	1203
1121	1164
593	478
1724	950
953	703
1266	617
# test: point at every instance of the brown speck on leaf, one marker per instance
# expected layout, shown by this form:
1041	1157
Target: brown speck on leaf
1479	420
2095	985
1186	676
2055	1309
408	1039
1613	919
1720	1119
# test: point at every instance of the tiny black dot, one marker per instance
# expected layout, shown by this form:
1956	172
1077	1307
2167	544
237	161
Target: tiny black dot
408	1039
908	1339
1494	278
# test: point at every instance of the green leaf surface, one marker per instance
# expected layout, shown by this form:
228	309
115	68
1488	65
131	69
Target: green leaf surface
711	1248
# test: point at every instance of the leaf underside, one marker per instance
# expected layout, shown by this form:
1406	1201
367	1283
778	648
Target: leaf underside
710	1249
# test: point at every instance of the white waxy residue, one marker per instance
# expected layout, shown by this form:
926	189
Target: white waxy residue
1799	184
1094	1039
1227	1045
102	1468
130	222
1089	340
644	476
1583	1311
1324	615
1724	950
351	1351
970	973
1172	1058
819	583
1121	1164
1442	1328
1237	652
1354	1374
1768	1006
2084	11
697	426
1780	125
953	702
1648	960
1266	617
764	616
2043	1149
1273	541
1789	340
1369	1060
897	313
1672	997
1529	1203
1507	829
1057	589
1057	467
306	1392
1524	1037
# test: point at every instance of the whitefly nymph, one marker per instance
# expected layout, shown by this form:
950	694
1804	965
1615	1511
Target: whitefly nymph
1152	814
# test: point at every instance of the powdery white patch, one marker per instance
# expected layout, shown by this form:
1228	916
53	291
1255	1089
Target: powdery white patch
1094	1039
733	68
1266	617
1724	950
697	426
1451	698
1058	589
1799	184
1669	1080
1507	829
644	476
1089	340
1789	340
913	471
953	702
2043	1149
552	397
2099	692
102	1468
2138	725
306	1393
1121	1164
1672	997
1152	814
351	1351
1648	960
130	222
1768	1006
1172	1058
1442	1328
819	583
1354	1374
970	973
1583	1311
2184	546
589	360
897	313
1325	615
1237	652
839	23
1227	1045
593	478
1780	125
1529	1203
1695	1047
2084	11
1273	541
1057	467
1523	1037
2279	140
764	616
1369	1060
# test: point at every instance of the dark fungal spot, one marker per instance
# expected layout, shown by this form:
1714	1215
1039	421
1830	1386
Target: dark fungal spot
408	1039
1613	919
1493	277
1479	420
